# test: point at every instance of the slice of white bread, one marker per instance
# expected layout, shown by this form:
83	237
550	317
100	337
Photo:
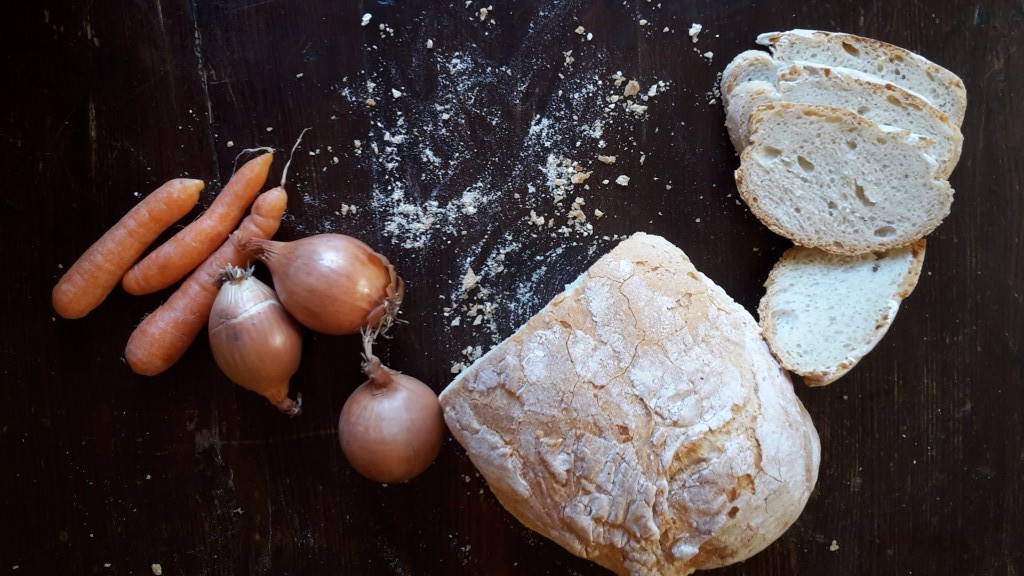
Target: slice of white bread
868	96
829	178
639	420
822	312
748	66
893	64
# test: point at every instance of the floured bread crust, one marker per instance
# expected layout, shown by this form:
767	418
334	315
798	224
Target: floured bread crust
639	420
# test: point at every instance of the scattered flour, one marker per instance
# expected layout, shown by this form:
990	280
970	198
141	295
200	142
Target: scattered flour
454	166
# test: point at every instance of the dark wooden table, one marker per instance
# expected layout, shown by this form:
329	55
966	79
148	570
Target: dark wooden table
105	472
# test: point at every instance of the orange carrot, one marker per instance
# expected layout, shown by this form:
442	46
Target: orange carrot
189	247
91	278
165	335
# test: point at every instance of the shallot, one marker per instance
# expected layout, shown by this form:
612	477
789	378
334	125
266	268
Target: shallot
391	427
254	340
332	283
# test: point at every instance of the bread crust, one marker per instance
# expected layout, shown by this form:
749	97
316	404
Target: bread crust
639	420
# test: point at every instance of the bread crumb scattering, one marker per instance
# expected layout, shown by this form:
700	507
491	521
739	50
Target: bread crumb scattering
429	187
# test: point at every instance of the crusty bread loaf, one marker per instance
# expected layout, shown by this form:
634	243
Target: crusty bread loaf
639	420
891	63
828	178
868	96
748	66
822	312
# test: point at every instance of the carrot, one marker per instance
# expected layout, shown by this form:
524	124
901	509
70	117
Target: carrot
165	335
189	247
91	278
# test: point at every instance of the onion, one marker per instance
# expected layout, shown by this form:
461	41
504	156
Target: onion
391	427
254	340
331	283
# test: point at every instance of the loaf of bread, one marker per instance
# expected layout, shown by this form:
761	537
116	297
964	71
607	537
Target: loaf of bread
639	420
822	312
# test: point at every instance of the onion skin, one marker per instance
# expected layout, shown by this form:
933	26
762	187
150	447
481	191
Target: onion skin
332	283
253	339
391	427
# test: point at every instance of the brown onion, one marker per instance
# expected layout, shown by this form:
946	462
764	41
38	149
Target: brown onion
254	340
331	283
391	427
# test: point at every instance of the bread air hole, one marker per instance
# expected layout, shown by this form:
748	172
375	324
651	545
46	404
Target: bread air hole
851	49
862	110
805	164
851	144
858	190
894	101
769	153
884	231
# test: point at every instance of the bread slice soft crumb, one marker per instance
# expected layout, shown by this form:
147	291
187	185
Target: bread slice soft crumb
822	312
828	178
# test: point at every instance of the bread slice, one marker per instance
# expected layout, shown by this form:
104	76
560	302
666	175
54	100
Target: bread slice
748	66
893	64
872	98
639	420
745	99
829	178
822	313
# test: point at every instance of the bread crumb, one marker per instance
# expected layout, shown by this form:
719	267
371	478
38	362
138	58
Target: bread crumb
579	177
598	213
709	55
580	30
666	29
157	569
469	281
371	102
396	93
484	11
632	89
270	128
430	43
231	144
695	31
589	36
607	159
643	22
622	180
833	546
366	19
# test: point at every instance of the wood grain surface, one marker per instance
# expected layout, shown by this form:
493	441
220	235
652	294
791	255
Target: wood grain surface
105	472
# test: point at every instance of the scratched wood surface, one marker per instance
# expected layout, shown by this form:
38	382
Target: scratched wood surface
104	472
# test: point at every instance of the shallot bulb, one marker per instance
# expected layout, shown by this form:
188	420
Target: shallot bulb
331	283
391	427
254	340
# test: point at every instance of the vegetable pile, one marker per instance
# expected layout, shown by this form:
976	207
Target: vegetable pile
390	429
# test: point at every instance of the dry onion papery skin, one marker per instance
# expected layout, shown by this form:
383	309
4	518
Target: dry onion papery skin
332	283
391	427
254	340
